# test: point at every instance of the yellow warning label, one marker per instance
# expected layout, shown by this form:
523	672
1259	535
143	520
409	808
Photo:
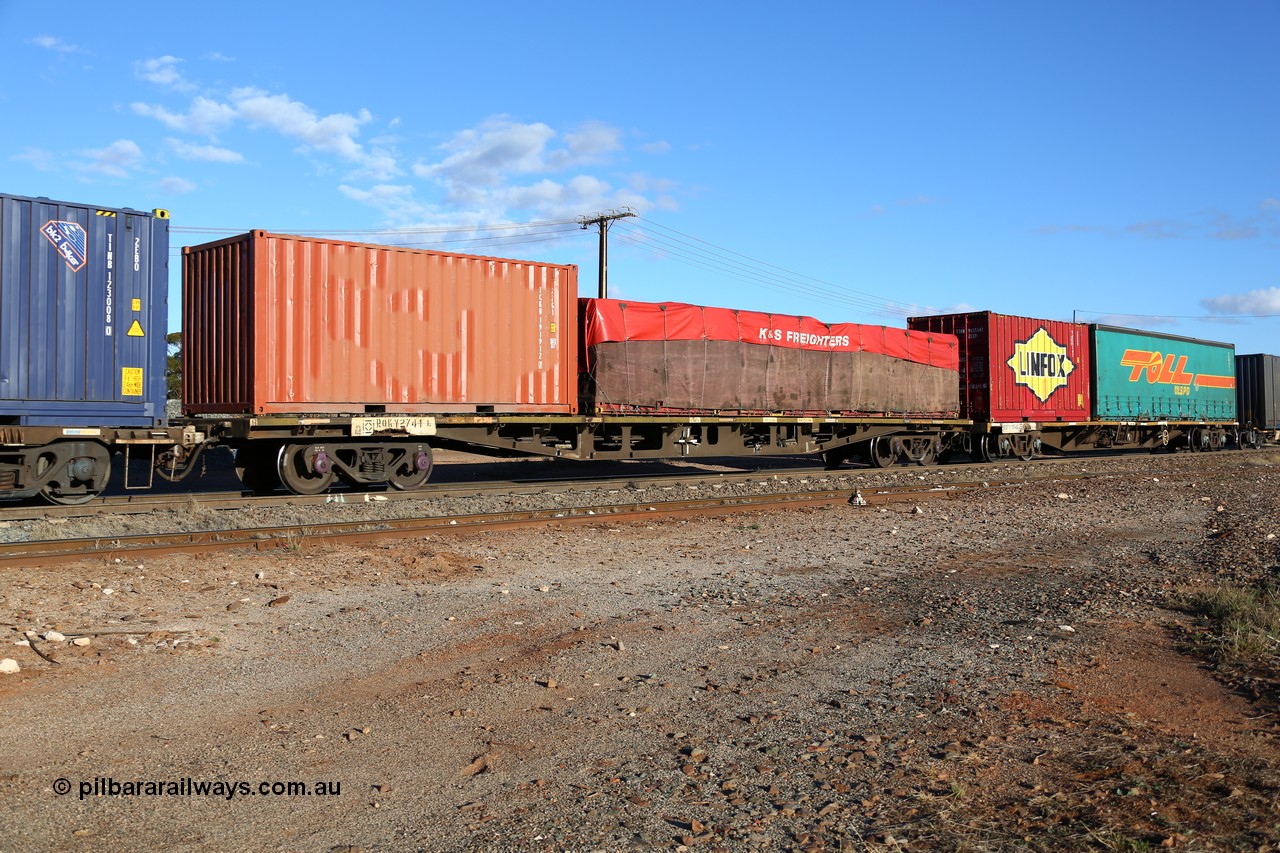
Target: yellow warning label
131	381
137	305
135	331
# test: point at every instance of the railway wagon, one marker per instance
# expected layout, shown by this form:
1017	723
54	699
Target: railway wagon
322	352
1186	387
83	314
879	392
1018	376
1028	384
1258	398
693	359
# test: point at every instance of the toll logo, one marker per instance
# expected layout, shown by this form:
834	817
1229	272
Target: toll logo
1041	364
70	240
1170	369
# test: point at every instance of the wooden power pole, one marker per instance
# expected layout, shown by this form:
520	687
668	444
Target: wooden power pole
603	221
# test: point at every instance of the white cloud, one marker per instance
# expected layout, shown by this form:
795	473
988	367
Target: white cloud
485	155
479	170
1255	303
215	56
204	153
590	143
177	186
55	44
334	133
114	161
40	160
395	202
205	118
659	147
1203	225
163	71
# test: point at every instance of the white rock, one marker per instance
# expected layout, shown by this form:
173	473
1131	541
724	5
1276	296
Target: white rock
22	642
55	636
108	591
9	666
1063	496
1067	628
81	641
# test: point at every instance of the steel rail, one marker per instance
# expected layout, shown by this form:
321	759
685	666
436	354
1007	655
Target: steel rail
229	499
133	504
297	536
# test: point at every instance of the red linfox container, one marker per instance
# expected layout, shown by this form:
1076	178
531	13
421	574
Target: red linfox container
283	324
1018	368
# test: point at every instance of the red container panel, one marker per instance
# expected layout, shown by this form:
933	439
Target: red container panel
282	324
1018	368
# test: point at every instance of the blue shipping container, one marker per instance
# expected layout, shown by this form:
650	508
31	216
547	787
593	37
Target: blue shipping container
1152	376
83	314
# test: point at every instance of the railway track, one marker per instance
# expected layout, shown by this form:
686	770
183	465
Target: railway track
296	536
150	502
629	506
144	502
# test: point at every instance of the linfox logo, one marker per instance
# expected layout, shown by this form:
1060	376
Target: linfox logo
1041	364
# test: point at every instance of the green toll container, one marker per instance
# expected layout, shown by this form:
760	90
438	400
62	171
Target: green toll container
1140	376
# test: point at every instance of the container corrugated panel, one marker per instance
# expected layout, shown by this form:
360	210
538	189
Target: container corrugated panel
284	324
1016	369
1140	375
83	314
1258	390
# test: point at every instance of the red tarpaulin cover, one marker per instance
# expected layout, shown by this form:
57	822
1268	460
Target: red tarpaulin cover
608	320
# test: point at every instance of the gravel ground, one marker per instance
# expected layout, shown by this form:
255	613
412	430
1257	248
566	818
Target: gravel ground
1006	671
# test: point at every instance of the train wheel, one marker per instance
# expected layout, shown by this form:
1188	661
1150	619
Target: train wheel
304	469
981	451
834	459
255	466
76	474
929	456
412	469
882	453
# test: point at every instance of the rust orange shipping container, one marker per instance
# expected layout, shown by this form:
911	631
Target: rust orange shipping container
283	324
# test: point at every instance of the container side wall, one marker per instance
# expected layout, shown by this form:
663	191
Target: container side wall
1017	368
1146	375
1258	390
350	328
83	308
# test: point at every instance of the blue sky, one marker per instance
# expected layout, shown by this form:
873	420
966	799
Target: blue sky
856	162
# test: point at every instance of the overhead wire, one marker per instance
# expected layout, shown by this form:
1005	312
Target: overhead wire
727	263
487	241
1178	316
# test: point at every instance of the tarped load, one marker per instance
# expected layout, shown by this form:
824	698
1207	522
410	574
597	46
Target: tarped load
672	357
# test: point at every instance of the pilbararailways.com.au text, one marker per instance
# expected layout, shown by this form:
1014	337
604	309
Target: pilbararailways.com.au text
107	786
